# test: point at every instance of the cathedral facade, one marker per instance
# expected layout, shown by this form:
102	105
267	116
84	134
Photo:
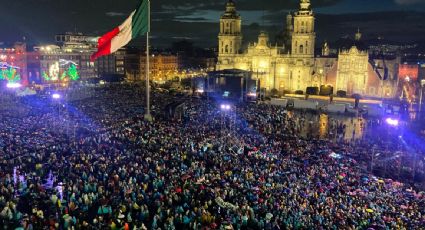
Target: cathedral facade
291	65
277	67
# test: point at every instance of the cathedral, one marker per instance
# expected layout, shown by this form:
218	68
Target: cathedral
291	65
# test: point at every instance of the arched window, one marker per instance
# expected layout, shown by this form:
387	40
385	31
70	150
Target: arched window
301	49
306	47
227	49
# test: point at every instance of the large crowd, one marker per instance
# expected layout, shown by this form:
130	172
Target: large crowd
95	163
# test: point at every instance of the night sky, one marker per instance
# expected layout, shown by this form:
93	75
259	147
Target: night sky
197	20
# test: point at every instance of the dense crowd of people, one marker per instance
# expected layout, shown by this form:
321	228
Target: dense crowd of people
95	163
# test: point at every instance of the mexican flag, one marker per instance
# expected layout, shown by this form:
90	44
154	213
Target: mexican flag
135	25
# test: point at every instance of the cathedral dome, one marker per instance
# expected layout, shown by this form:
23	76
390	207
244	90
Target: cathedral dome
230	6
263	38
305	5
263	34
230	12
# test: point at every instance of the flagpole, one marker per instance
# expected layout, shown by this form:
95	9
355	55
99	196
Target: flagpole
148	116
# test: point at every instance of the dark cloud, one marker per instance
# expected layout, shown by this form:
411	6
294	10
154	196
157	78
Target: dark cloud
267	5
190	19
396	26
409	2
114	14
40	20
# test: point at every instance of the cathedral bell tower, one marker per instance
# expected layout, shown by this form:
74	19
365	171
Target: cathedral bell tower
230	37
303	35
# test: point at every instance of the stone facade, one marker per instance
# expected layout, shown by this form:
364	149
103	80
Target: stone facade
277	67
352	75
291	65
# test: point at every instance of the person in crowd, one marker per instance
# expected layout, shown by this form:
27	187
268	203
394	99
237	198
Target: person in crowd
94	163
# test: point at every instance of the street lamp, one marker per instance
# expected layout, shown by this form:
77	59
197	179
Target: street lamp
13	85
421	96
392	122
56	96
225	107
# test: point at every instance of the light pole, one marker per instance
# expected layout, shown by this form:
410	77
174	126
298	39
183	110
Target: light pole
56	98
208	88
148	116
421	96
226	108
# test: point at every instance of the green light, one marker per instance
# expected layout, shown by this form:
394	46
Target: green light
10	75
63	76
46	76
73	73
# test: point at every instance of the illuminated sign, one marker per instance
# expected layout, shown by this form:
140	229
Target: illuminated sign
408	71
54	71
9	74
58	71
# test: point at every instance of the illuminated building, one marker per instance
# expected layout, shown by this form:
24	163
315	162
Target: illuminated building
77	48
380	85
162	67
33	68
290	64
282	67
354	72
111	64
69	48
16	58
76	41
352	75
409	81
410	71
55	59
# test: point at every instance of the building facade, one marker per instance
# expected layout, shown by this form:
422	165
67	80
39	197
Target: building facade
46	64
77	48
55	59
277	67
111	64
291	65
15	58
352	74
163	67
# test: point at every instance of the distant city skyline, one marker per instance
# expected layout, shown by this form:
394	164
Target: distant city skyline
198	21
